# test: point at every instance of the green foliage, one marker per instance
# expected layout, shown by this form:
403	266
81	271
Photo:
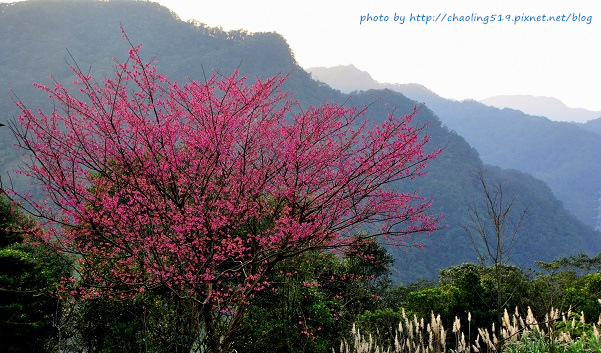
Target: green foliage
28	309
580	338
105	326
153	322
468	288
564	284
314	300
381	324
580	263
468	291
583	295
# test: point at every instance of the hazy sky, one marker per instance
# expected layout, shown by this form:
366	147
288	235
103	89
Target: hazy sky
454	59
461	59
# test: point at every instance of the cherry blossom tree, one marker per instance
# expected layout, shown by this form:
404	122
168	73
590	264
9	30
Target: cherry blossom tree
203	187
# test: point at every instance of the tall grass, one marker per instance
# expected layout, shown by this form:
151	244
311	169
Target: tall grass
557	332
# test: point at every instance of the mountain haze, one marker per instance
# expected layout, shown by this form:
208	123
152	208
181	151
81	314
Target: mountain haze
90	31
567	156
346	78
549	107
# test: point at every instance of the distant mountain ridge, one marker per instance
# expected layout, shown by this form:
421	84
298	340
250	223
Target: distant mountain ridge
593	125
549	107
567	156
348	78
31	53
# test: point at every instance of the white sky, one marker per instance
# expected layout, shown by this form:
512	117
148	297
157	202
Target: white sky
456	60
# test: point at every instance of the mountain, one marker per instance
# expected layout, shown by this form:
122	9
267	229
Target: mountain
452	183
593	125
30	53
564	155
550	107
346	78
38	37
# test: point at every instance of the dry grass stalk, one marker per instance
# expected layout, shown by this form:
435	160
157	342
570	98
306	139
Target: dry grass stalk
411	333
